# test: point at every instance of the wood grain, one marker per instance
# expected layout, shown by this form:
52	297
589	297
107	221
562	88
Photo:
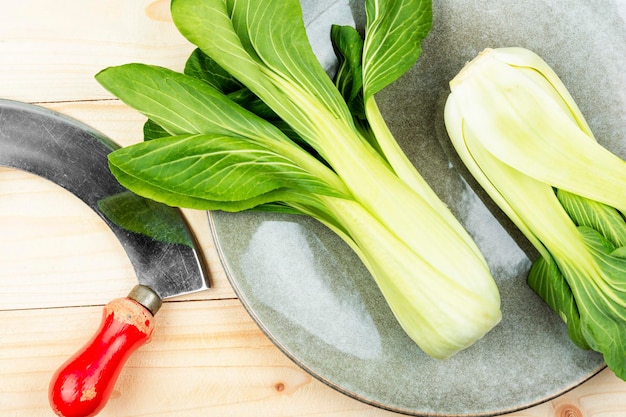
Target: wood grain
205	358
51	52
59	264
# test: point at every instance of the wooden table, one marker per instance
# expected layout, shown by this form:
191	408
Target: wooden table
59	263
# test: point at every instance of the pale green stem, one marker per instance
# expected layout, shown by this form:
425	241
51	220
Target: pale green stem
404	168
428	231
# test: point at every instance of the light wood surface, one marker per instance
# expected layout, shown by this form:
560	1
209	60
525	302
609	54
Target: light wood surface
59	263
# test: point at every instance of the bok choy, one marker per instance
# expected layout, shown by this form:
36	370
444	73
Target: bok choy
255	122
524	139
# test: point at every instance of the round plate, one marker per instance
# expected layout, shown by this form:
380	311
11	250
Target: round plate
312	296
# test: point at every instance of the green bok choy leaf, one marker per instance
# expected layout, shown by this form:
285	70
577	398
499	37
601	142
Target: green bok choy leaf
256	123
524	139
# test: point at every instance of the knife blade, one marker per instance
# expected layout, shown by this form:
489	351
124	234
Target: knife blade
155	237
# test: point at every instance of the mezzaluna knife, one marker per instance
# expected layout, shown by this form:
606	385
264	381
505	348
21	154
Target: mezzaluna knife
155	237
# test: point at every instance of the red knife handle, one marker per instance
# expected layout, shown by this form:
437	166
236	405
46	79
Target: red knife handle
82	386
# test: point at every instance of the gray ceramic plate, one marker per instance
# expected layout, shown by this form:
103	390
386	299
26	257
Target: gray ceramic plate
315	300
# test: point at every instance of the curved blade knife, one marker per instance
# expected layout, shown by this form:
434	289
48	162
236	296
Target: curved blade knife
155	237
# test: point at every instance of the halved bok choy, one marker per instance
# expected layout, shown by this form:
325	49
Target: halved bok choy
524	139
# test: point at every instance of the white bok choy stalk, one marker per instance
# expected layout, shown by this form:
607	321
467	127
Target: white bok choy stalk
254	122
524	139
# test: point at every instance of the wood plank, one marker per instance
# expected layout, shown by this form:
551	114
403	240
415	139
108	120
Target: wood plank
206	358
51	53
55	251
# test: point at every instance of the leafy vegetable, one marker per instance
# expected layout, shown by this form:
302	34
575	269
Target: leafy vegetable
256	123
522	136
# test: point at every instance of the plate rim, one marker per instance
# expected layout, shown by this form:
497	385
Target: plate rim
351	393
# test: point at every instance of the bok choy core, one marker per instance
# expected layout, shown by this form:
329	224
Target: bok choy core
523	138
254	122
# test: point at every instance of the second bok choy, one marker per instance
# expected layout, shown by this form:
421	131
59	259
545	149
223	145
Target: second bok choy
524	139
255	122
